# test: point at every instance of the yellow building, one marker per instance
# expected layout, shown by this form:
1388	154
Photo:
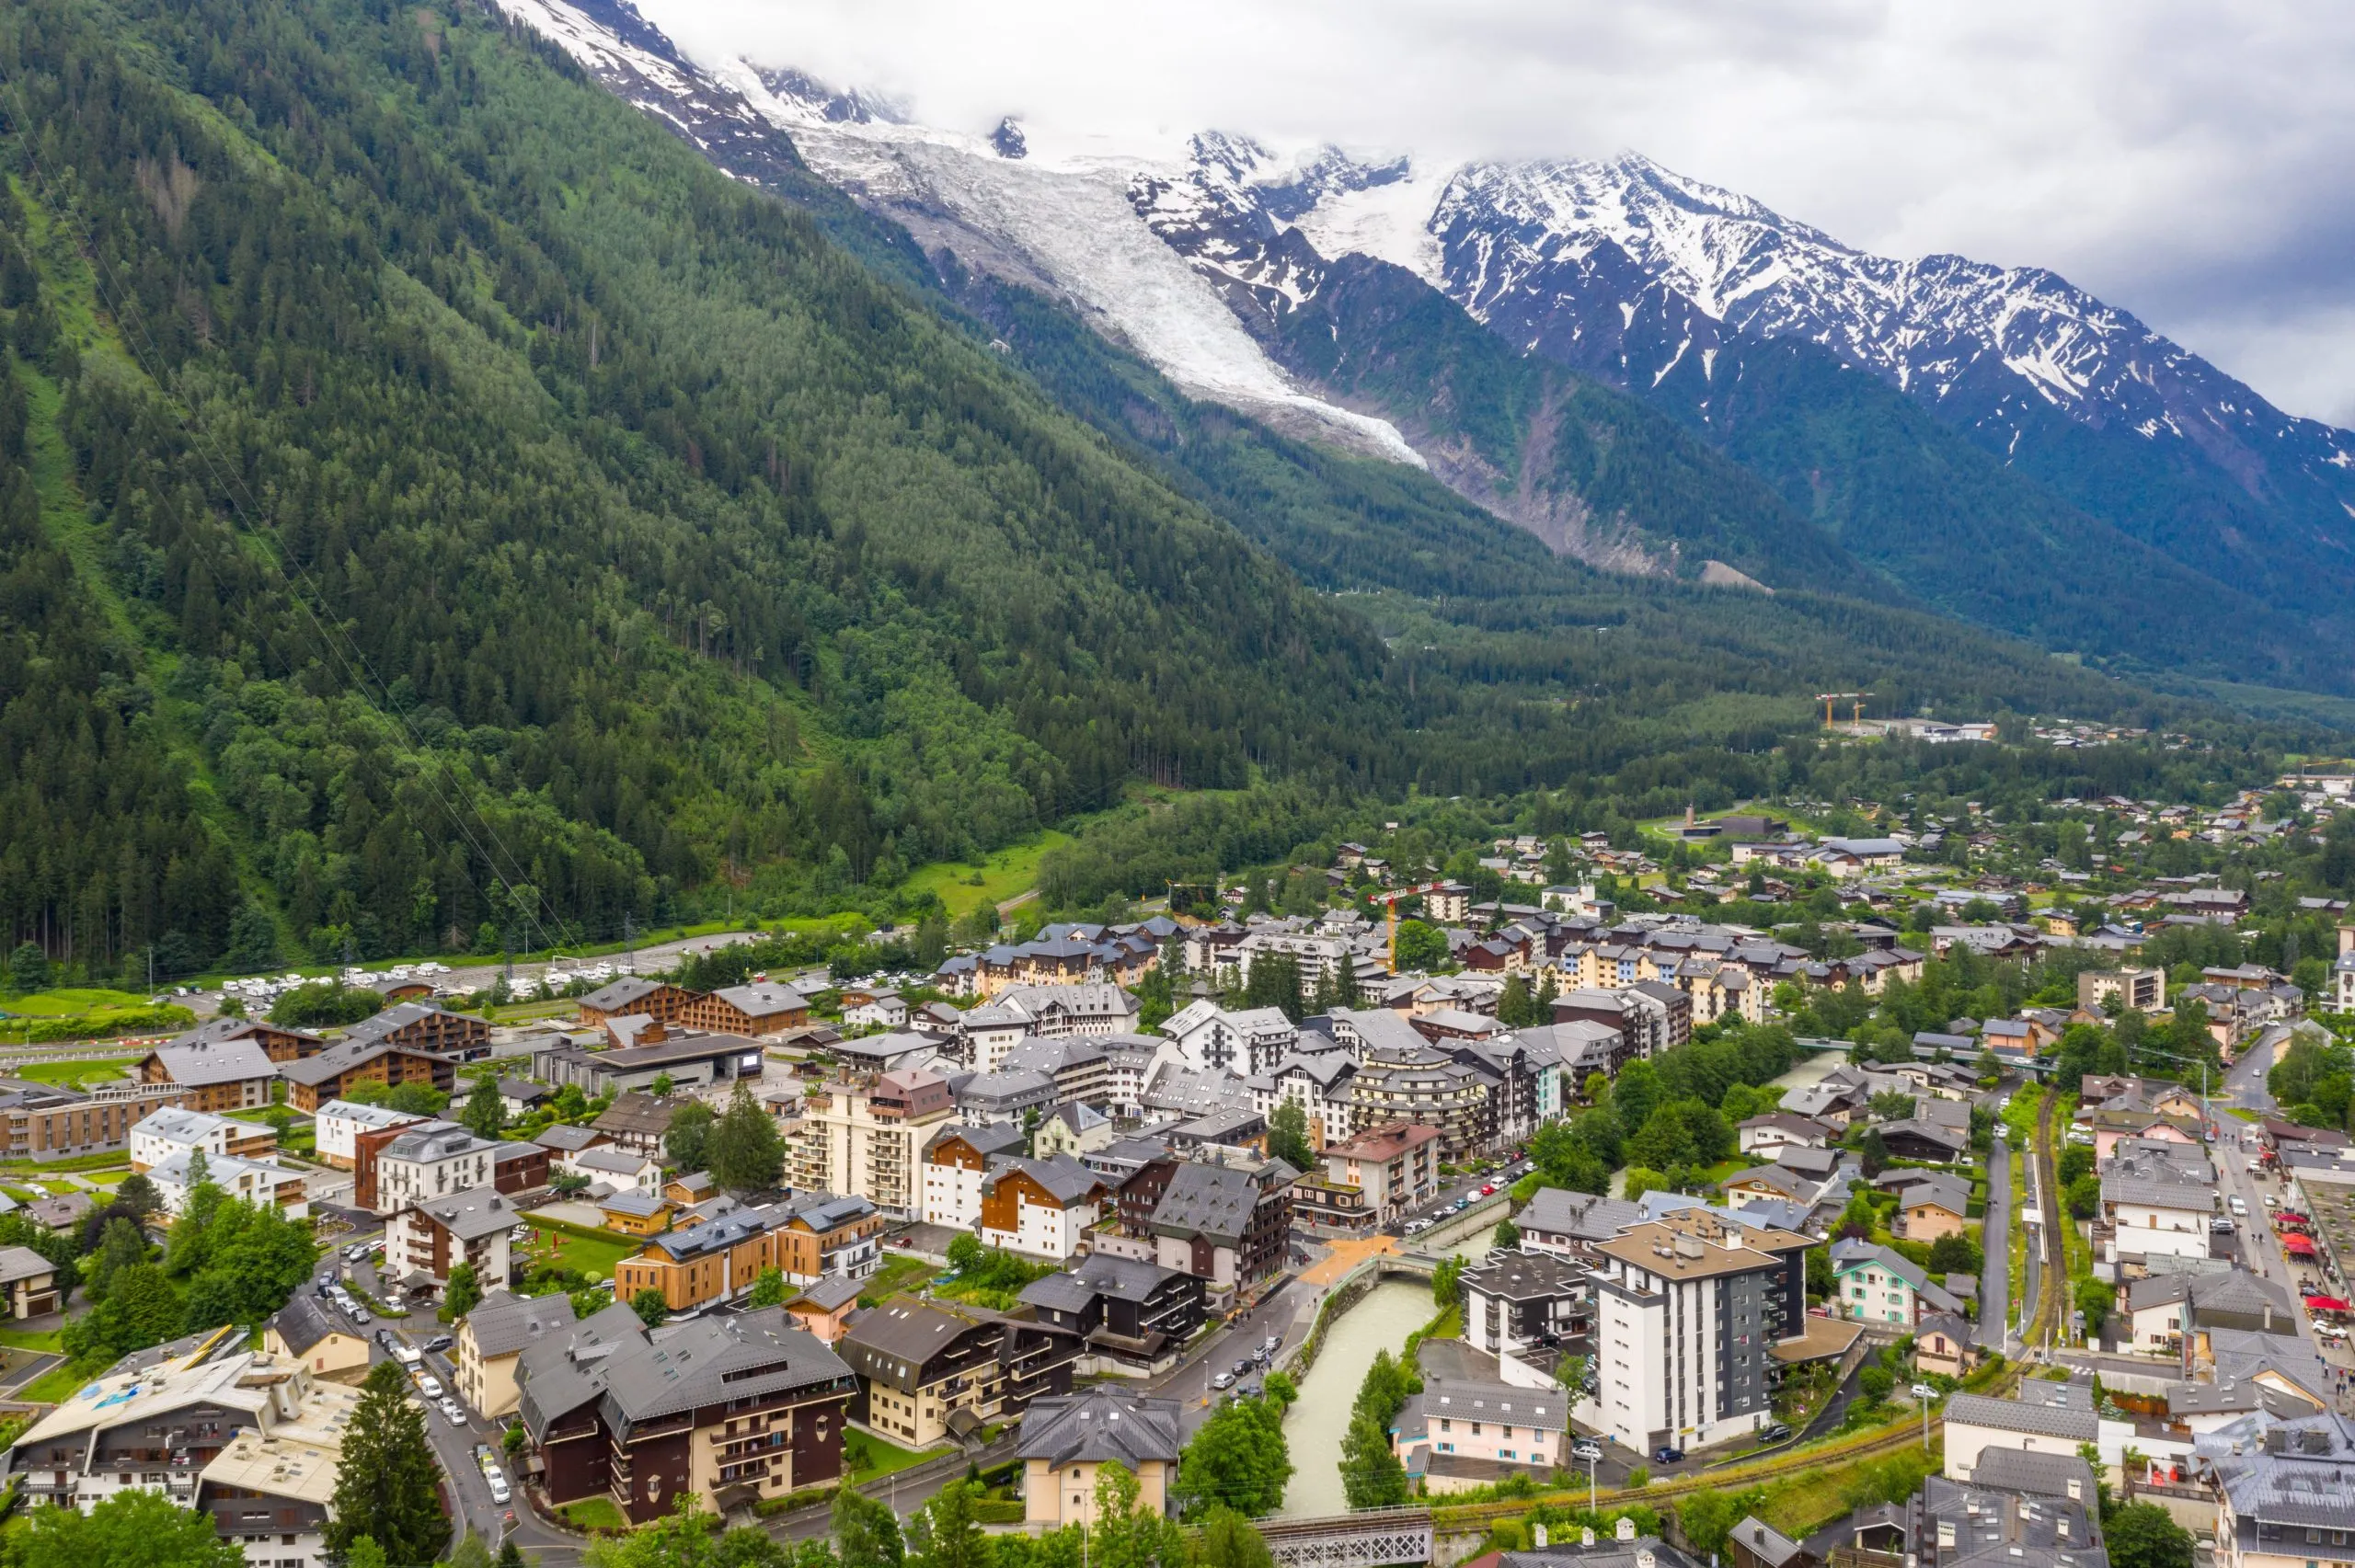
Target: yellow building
1068	1439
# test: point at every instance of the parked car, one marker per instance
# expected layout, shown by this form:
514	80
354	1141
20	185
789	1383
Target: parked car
1224	1380
1776	1434
499	1492
1242	1367
1664	1455
409	1354
2221	1224
428	1385
439	1342
457	1417
360	1315
1586	1451
1489	1190
1273	1343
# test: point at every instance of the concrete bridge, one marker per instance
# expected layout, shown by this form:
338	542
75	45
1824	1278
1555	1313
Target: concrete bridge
1374	1539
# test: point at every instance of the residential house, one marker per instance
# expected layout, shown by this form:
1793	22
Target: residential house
1072	1129
492	1340
1944	1342
1936	1206
2154	1206
614	1167
633	1211
929	1370
1779	1129
261	1182
1227	1224
1521	1300
825	1306
1067	1438
1371	1181
1570	1224
822	1235
2164	1309
337	1124
2282	1499
1874	1285
29	1283
346	1068
2042	1418
1469	1426
306	1332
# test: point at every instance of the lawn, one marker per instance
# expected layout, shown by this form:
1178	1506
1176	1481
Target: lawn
55	1387
868	1456
591	1252
19	1339
1003	876
68	1002
70	1074
895	1275
594	1513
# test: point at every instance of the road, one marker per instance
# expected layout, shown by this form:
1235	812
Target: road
1995	1272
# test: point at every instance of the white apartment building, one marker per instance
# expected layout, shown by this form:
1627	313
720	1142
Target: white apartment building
1687	1311
262	1182
416	1166
164	1133
1041	1207
955	1162
1209	1038
339	1123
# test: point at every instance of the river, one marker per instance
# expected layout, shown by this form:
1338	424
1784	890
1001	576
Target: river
1382	1320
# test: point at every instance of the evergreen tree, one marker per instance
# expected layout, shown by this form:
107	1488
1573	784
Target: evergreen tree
485	1114
688	1142
1227	1540
945	1534
387	1487
1515	1007
744	1153
1288	1136
1371	1476
121	1244
464	1291
652	1309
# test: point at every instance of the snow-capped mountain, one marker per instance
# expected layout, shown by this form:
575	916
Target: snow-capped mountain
1198	255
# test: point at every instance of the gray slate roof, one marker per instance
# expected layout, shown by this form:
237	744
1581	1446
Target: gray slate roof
2076	1422
1101	1424
502	1323
2023	1470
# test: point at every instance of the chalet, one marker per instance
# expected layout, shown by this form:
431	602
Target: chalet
930	1370
222	1075
1039	1208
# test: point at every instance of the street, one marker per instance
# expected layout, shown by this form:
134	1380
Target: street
1995	1272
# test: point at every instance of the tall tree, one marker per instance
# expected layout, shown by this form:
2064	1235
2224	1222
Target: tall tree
1238	1458
688	1141
1227	1540
745	1152
1371	1475
945	1534
388	1487
136	1528
1127	1535
464	1291
483	1114
1288	1136
865	1532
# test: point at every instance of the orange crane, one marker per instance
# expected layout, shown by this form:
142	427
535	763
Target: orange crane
1856	700
1390	902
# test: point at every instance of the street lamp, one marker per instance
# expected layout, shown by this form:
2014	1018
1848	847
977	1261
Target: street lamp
1923	1394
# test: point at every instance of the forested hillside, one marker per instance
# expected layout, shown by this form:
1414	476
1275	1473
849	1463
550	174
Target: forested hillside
434	499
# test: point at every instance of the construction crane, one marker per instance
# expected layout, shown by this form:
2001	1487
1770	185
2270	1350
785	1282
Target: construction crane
1390	902
1857	709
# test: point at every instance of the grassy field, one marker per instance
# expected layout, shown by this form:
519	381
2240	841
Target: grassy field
591	1252
894	1274
70	1074
65	1004
1003	876
19	1339
54	1387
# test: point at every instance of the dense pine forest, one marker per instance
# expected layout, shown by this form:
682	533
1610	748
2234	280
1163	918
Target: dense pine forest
433	501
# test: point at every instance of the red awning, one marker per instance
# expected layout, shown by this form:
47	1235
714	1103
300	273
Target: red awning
2326	1304
2297	1244
2291	1214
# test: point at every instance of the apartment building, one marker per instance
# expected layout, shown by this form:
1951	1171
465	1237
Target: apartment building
1687	1311
339	1123
426	1238
1134	1317
1371	1180
1066	1439
213	1075
409	1164
171	1130
42	1121
865	1135
254	1440
955	1159
263	1182
1041	1208
931	1369
734	1410
424	1026
343	1069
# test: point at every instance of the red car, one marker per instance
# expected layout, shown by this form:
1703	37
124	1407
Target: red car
1488	1191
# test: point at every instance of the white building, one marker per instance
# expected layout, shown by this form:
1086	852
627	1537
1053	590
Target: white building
615	1167
261	1182
1041	1207
162	1134
1320	1086
1687	1311
430	1164
2047	1418
956	1161
340	1124
2156	1207
279	1430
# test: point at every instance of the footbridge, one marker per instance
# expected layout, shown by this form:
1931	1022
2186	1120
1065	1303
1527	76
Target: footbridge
1374	1539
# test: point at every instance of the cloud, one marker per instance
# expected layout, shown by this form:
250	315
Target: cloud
2183	161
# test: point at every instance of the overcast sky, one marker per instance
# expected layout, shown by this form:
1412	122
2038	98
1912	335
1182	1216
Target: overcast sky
2189	163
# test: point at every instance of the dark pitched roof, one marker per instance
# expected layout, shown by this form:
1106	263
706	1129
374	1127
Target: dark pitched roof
748	1355
1209	1200
502	1323
1101	1424
304	1321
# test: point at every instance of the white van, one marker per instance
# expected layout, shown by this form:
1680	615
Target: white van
407	1354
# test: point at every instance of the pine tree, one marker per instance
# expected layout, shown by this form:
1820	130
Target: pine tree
387	1487
1371	1476
464	1291
946	1535
744	1151
865	1532
485	1115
